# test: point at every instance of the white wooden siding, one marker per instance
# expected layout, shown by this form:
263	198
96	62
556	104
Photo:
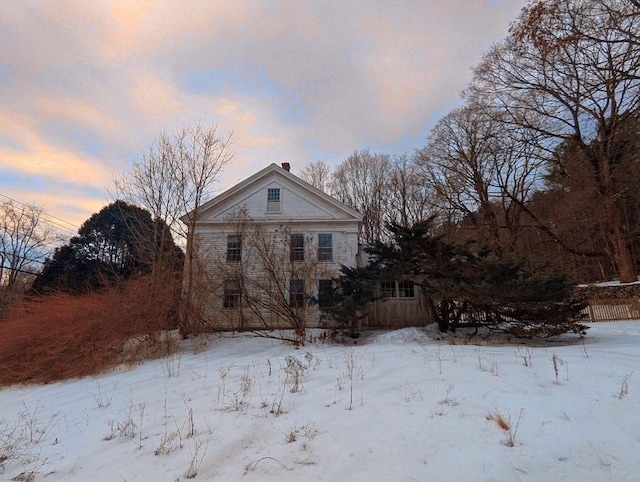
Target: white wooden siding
303	209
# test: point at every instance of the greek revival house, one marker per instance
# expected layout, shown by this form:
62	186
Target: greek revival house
273	243
266	247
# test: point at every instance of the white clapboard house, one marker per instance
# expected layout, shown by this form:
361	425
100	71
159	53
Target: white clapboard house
270	245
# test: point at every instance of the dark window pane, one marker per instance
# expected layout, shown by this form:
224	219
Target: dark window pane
231	297
297	247
296	293
273	194
325	247
405	289
325	290
234	248
388	289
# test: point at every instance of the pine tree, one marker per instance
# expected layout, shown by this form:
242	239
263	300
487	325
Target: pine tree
119	242
462	287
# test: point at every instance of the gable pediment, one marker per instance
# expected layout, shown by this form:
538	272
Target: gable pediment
297	200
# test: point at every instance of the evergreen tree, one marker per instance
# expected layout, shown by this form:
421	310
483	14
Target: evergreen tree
345	303
462	287
117	243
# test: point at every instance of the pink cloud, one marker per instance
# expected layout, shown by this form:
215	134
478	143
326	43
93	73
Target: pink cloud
111	73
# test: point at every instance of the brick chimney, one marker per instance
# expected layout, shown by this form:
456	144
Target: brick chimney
286	166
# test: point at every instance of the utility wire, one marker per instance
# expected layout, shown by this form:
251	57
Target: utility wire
67	226
17	270
45	213
13	255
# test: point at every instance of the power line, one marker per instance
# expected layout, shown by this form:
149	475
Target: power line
69	228
43	212
17	270
15	255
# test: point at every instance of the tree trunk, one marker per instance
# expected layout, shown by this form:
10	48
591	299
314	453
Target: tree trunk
443	324
618	242
621	254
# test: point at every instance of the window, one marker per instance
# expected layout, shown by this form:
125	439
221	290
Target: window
388	289
297	247
296	293
273	200
234	248
405	289
273	194
325	247
231	294
325	291
397	289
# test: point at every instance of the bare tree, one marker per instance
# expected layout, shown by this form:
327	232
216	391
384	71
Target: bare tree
259	278
318	174
26	240
569	72
410	198
571	203
385	189
172	180
478	170
361	181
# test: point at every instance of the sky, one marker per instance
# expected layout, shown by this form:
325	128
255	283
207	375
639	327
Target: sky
86	86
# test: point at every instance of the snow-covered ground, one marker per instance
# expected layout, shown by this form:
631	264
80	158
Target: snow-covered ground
399	406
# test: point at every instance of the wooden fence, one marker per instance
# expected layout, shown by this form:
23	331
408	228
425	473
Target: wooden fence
613	309
398	313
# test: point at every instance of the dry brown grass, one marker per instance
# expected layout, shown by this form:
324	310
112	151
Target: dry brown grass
507	425
500	420
62	336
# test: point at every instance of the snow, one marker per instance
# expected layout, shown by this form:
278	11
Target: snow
396	406
611	283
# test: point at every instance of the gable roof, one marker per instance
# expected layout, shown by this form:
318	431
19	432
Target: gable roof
274	171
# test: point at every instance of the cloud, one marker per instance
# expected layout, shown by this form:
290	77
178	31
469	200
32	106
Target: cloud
152	97
30	153
87	86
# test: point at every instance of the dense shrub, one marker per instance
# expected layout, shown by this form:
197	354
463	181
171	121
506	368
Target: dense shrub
62	336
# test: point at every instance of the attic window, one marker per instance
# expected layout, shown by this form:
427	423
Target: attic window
273	200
